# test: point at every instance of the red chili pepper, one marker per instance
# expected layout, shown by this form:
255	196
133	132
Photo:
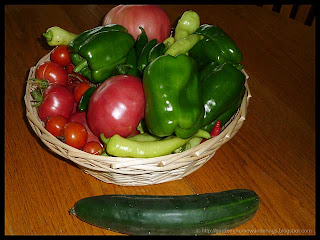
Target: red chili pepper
70	68
215	131
74	78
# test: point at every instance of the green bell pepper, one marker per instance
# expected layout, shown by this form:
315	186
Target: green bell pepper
98	51
128	68
173	99
216	46
227	114
220	90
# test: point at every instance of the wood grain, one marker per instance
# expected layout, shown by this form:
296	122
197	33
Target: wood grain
272	154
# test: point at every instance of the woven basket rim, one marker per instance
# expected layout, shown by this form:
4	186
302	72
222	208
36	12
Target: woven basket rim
116	164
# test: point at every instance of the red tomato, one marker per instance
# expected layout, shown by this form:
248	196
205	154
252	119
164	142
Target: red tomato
55	124
116	106
79	90
57	100
93	148
74	134
81	117
53	72
61	55
153	19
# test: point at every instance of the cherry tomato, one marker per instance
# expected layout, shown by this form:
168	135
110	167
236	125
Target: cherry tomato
93	148
154	20
53	72
79	90
74	134
81	117
57	100
116	106
55	124
61	55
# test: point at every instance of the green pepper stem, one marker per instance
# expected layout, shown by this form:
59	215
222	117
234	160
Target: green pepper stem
48	36
104	139
80	66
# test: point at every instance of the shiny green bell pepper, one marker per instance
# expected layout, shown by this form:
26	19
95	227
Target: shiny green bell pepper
225	116
173	99
221	90
98	51
216	46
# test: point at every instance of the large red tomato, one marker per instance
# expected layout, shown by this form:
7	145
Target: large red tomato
153	19
116	106
57	100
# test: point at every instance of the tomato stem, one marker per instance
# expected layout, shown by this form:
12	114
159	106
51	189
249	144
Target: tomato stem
42	83
37	97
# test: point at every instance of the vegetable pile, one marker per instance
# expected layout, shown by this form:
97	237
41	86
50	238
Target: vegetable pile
135	87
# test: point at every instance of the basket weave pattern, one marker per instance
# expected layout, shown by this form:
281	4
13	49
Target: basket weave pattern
135	171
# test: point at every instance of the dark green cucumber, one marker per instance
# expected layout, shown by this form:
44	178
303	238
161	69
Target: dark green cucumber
199	214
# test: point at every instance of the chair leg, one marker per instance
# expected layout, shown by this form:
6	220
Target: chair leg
311	16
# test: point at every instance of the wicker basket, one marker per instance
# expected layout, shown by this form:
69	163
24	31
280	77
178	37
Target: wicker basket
135	171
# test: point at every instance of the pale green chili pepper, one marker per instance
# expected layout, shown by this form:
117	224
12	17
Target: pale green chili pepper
57	36
187	24
168	42
195	141
124	147
184	45
144	137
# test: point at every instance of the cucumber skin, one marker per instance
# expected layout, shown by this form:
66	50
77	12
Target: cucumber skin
200	214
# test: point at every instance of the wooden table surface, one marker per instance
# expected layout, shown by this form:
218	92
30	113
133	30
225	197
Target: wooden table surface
273	153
